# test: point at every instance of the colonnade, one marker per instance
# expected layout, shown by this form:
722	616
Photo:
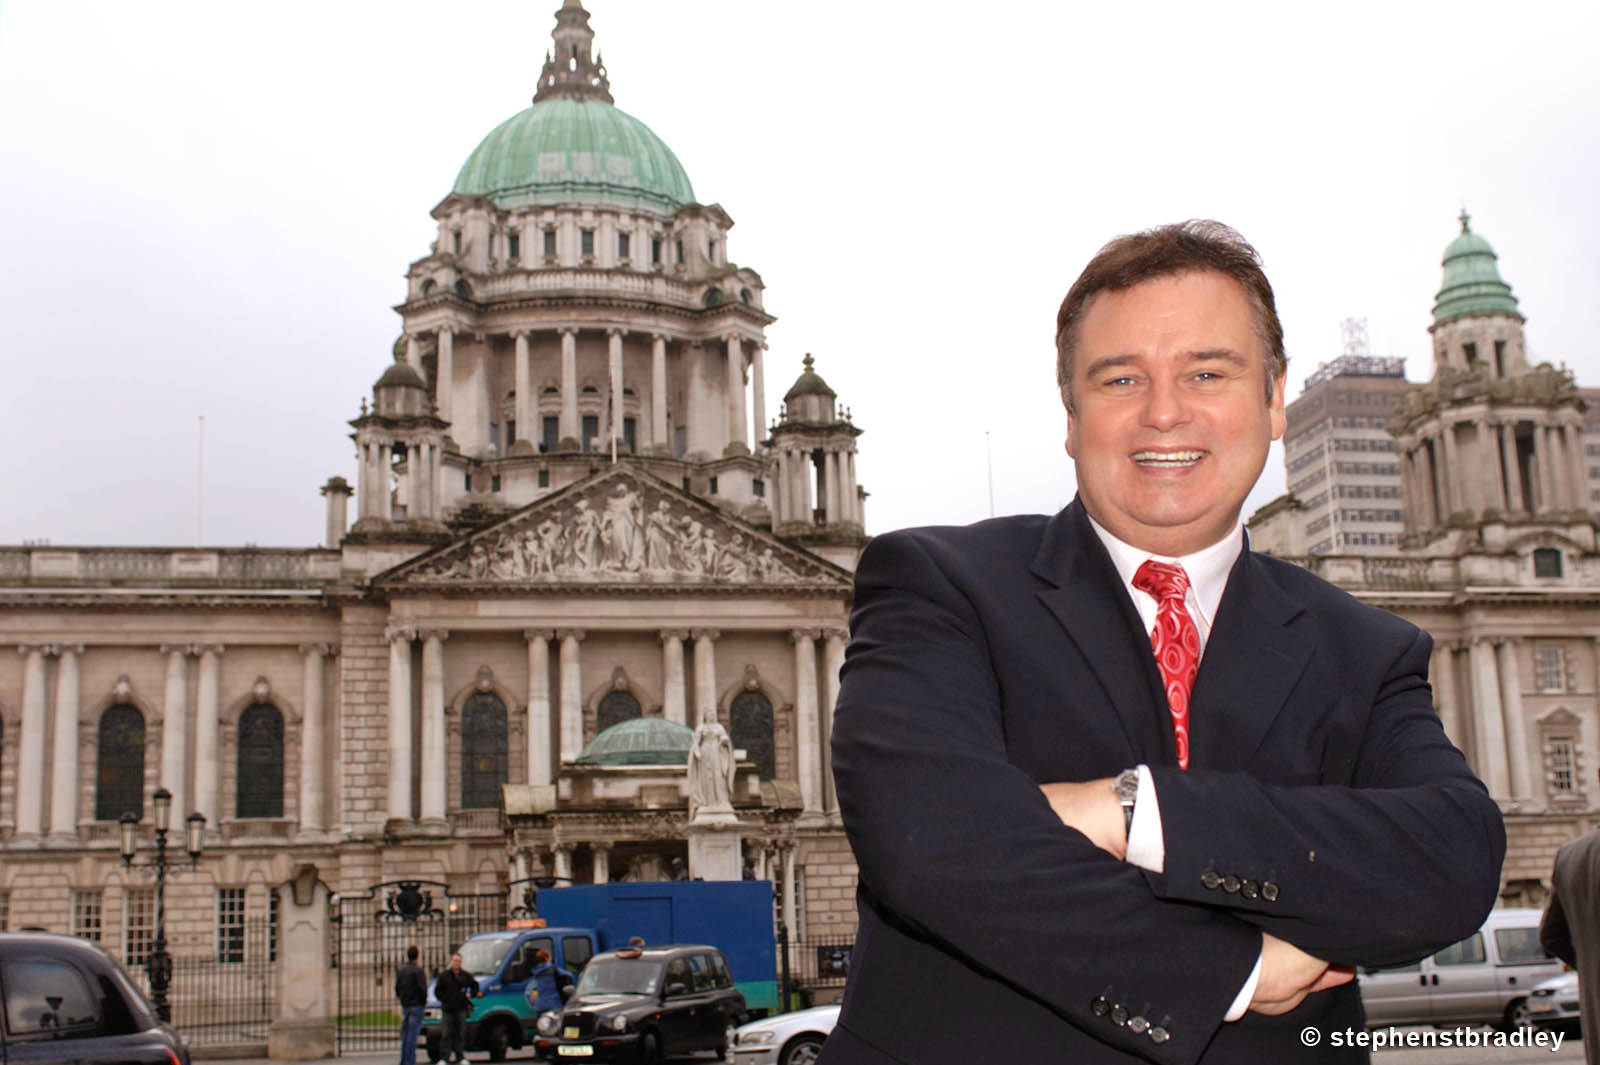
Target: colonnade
183	756
1451	469
1486	720
746	426
797	468
687	700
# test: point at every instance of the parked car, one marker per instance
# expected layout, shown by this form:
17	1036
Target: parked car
65	1000
646	1004
1484	979
786	1039
1554	1004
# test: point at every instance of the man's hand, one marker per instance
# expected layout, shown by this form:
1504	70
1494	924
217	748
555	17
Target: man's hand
1289	974
1091	807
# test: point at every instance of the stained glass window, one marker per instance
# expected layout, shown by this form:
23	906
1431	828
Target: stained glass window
751	731
119	776
260	792
483	751
614	709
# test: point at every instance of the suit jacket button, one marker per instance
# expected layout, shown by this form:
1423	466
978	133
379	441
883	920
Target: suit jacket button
1138	1025
1119	1015
1100	1006
1209	879
1230	884
1159	1035
1249	888
1269	891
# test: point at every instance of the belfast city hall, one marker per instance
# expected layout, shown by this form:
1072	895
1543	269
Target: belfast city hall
579	533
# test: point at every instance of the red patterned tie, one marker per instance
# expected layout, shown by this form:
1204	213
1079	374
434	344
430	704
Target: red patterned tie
1176	642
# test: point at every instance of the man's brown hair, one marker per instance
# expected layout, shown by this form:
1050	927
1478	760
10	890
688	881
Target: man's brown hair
1181	248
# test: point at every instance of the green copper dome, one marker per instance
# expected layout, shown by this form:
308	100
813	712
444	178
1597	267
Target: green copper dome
567	149
641	741
1472	283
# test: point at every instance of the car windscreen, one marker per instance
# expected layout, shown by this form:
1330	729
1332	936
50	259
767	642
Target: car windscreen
485	955
627	976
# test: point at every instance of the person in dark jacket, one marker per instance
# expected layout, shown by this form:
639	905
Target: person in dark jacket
546	982
411	988
455	989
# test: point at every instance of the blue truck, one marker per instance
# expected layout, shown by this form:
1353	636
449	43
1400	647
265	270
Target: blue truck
576	923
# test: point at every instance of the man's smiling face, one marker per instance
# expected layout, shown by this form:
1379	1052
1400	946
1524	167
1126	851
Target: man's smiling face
1172	412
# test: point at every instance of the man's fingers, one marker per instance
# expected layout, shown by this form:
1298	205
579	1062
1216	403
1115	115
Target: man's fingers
1334	976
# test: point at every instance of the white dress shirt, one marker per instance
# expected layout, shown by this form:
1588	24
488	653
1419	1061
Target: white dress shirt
1208	570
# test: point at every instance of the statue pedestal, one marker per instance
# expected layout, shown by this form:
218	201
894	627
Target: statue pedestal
714	849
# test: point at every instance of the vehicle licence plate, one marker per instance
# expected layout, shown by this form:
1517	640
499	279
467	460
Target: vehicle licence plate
575	1051
1540	1006
430	1015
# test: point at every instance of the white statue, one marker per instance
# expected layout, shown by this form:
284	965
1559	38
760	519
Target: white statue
711	773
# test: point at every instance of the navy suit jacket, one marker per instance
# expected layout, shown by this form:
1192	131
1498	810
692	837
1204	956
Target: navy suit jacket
1323	804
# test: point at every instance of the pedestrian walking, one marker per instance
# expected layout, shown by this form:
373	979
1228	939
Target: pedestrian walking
1571	927
455	990
411	988
546	982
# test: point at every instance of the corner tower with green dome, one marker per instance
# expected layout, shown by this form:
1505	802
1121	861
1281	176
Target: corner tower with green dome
1475	316
579	306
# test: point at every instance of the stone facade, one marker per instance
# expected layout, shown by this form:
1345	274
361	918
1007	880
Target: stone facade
569	513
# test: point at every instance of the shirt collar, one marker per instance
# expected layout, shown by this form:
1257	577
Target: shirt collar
1208	568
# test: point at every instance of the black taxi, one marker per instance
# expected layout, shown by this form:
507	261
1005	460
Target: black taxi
645	1004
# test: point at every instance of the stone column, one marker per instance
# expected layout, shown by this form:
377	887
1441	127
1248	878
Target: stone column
852	498
780	487
1443	674
563	863
1408	487
658	392
337	493
1577	467
791	902
175	730
1488	719
614	339
413	355
568	430
538	728
571	694
313	763
1516	726
445	386
758	396
602	862
527	402
64	778
674	698
807	734
1425	485
1452	470
1508	434
834	642
1491	455
384	456
433	768
834	498
30	751
736	412
1571	493
1543	497
208	700
705	676
400	740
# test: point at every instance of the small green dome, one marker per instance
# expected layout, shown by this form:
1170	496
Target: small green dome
575	150
641	741
1472	283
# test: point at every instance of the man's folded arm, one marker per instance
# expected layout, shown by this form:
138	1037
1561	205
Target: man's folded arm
961	845
1402	862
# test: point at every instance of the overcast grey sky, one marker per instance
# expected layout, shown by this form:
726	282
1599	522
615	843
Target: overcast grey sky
207	209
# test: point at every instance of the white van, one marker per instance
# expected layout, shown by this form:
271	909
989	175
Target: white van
1484	979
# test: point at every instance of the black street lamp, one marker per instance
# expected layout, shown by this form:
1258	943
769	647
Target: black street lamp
159	964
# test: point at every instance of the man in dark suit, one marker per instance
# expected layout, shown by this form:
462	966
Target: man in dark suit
1570	928
1074	850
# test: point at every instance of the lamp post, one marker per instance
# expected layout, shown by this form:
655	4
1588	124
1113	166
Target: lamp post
159	964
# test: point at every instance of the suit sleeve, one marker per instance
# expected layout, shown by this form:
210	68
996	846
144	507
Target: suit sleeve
959	846
1555	935
1403	861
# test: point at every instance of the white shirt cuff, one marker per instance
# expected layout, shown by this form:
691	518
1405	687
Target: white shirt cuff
1241	1001
1147	847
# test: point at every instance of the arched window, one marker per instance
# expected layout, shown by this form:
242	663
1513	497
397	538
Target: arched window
119	776
614	709
260	792
751	731
713	297
1546	562
483	751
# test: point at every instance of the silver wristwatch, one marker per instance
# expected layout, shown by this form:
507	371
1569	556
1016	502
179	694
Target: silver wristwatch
1126	787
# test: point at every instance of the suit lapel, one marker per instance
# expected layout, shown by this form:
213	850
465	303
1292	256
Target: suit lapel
1083	591
1251	663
